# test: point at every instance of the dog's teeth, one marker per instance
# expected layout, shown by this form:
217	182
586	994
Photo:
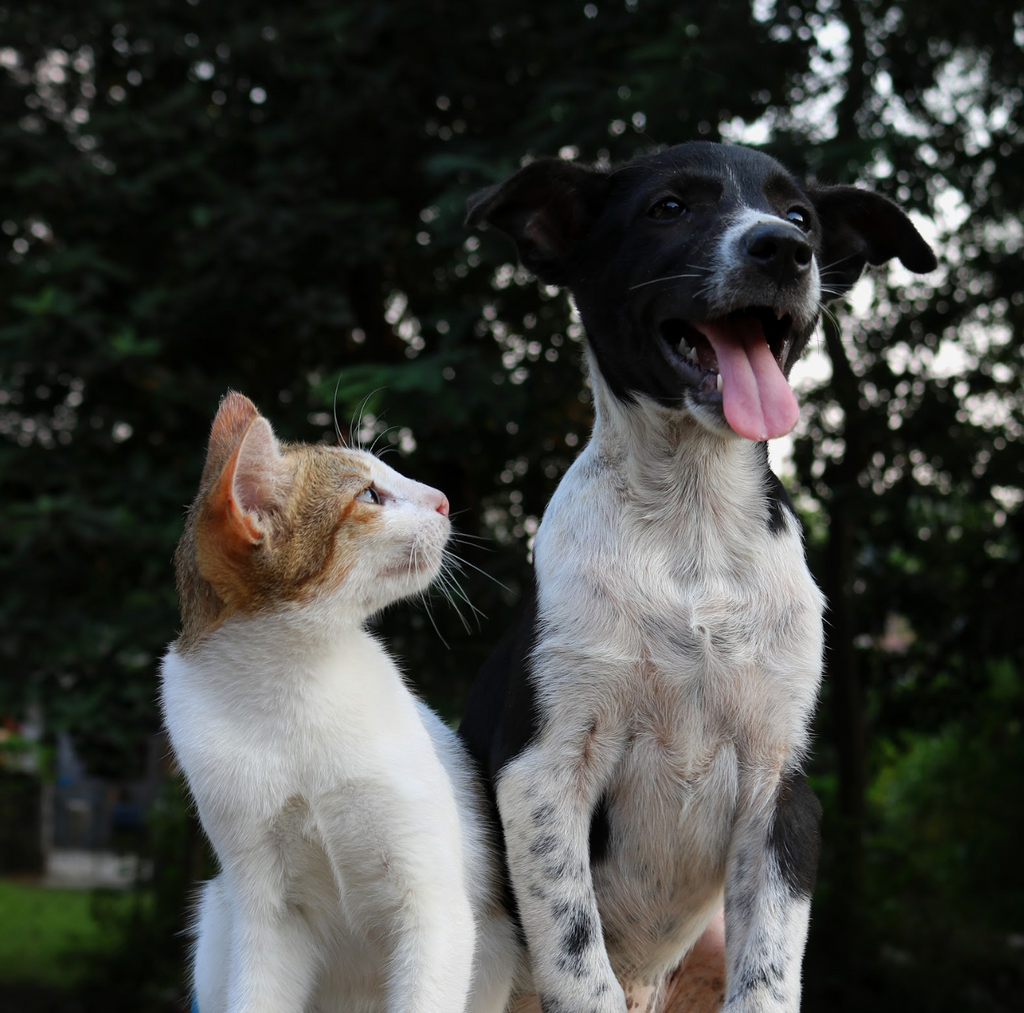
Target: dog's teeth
693	356
718	383
683	347
777	310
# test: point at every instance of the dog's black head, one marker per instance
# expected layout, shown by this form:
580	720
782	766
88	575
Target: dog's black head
699	272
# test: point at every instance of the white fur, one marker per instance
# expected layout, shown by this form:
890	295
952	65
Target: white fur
678	661
356	873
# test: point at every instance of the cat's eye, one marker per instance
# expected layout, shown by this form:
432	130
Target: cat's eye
799	217
667	208
369	495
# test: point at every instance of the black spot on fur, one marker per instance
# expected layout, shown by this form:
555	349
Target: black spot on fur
742	903
543	814
544	845
739	898
765	976
600	832
794	834
549	1004
573	965
580	933
683	641
558	870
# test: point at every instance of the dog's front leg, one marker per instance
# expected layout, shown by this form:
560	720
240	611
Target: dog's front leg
546	798
772	862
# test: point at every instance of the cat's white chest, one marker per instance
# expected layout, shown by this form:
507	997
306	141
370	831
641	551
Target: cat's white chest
266	744
318	783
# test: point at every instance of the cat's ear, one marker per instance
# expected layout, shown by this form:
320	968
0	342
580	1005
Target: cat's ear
253	480
233	416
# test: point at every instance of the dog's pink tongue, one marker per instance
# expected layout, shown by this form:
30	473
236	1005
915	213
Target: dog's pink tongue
758	401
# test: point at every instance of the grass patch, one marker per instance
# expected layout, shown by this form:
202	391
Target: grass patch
52	937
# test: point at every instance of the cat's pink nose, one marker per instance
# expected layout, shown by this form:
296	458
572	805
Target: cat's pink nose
442	505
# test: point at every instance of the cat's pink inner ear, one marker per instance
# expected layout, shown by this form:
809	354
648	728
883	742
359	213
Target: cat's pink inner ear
252	479
232	420
261	475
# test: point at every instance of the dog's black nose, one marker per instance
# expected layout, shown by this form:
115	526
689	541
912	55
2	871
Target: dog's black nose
781	251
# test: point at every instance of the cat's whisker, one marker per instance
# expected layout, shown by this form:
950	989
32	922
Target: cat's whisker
355	420
359	414
449	596
425	601
372	449
334	412
451	590
450	582
440	583
465	562
481	542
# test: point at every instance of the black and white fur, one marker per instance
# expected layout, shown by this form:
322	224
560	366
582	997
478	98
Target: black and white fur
644	725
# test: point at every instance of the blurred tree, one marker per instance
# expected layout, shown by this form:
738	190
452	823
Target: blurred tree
198	195
201	195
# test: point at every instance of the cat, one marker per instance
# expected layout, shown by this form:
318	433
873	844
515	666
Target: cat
357	872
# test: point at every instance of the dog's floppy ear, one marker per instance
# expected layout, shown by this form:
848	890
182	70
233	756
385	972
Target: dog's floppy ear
546	208
860	227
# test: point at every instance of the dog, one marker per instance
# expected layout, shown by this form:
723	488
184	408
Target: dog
644	723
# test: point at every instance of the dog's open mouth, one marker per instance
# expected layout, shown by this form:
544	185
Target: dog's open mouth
739	356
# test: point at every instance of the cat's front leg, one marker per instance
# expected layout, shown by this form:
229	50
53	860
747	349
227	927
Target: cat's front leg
398	864
546	798
273	958
431	964
769	877
211	953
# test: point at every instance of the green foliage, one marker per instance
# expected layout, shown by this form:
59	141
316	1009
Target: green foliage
196	196
51	937
943	828
946	879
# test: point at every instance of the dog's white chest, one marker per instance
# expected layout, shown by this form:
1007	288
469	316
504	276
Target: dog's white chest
692	614
686	636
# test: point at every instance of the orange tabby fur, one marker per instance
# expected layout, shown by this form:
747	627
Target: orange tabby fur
231	561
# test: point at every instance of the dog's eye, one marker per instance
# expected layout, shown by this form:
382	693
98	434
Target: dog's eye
369	495
667	208
799	217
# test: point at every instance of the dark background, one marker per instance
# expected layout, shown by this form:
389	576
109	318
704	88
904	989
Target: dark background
200	195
